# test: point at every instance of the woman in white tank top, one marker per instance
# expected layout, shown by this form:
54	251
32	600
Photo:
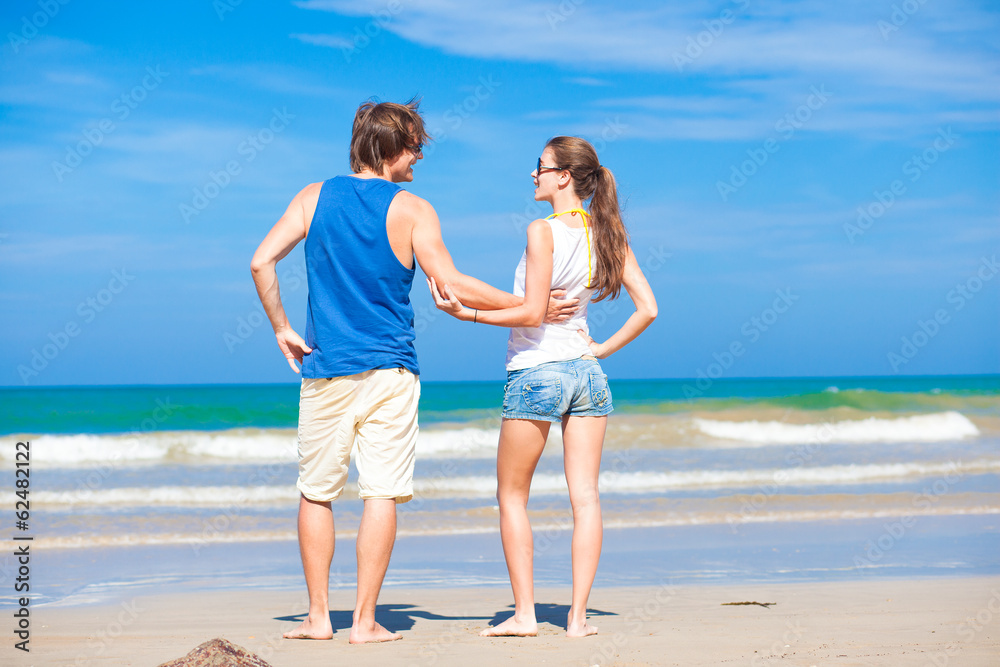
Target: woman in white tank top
552	371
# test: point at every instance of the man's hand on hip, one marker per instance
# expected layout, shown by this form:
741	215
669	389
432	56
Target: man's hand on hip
292	346
560	309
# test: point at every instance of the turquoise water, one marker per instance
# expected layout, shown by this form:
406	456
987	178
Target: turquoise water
217	407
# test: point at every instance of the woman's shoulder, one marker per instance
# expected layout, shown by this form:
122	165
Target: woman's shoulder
541	226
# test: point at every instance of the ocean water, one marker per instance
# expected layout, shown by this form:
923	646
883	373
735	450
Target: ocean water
158	486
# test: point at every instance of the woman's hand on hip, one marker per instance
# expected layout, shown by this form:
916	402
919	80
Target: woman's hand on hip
596	348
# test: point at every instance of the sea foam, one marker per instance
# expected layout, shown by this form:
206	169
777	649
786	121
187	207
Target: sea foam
479	486
940	427
226	447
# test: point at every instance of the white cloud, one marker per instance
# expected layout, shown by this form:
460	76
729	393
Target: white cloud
73	79
331	41
588	81
940	62
275	79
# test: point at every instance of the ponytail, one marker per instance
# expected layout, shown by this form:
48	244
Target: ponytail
609	237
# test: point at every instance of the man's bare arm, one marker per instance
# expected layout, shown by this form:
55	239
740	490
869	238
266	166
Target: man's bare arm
436	262
538	278
284	236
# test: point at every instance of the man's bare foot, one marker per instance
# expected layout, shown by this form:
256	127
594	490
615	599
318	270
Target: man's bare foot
512	628
310	630
580	630
372	634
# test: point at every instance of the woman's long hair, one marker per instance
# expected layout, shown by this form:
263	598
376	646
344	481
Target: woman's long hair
609	237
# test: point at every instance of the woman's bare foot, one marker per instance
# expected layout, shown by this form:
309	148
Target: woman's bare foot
372	634
512	627
583	629
312	630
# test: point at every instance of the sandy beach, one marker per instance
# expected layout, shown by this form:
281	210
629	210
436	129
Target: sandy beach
874	531
947	621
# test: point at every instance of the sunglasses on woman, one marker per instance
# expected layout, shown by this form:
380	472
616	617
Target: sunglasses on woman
539	168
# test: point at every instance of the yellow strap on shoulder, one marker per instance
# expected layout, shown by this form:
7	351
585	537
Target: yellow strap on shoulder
584	215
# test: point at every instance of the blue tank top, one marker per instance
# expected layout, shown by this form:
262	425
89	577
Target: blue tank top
359	316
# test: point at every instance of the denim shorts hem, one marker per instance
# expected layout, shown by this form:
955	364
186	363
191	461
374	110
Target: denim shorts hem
556	419
532	416
551	391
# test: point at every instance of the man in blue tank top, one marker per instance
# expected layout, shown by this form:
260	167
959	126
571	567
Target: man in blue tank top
360	379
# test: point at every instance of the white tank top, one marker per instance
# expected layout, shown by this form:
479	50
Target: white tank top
530	346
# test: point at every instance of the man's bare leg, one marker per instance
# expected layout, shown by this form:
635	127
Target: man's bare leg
583	440
316	543
376	537
521	445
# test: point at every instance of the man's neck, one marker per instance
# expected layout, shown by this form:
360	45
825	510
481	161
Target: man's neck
368	173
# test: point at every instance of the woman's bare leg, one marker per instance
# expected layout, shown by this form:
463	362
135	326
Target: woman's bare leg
583	440
521	445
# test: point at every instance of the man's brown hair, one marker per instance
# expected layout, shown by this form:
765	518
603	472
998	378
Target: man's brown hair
384	130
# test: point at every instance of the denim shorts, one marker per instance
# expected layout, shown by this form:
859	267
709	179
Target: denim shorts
547	392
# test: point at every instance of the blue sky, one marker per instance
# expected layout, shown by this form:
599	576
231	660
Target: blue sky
814	184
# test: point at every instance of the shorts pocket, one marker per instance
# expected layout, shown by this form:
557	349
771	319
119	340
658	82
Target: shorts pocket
600	394
542	394
508	400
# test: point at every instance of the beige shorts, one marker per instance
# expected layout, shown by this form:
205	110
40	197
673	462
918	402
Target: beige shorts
378	410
